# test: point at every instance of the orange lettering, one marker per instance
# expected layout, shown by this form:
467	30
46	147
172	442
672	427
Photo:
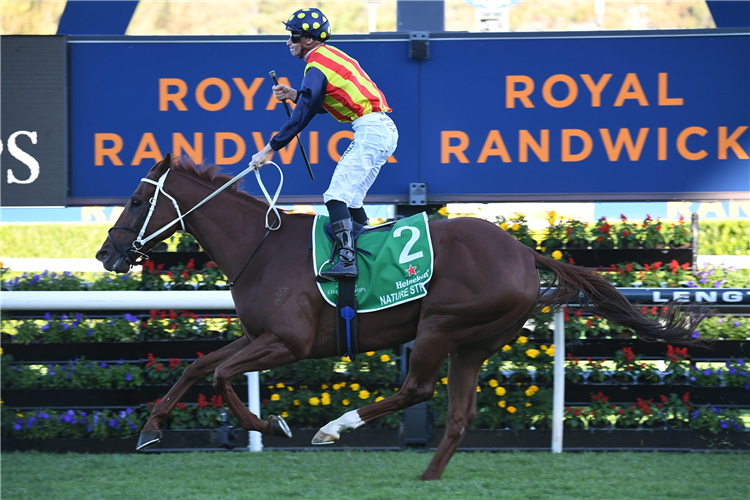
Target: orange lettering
588	145
494	139
313	147
100	151
165	97
631	82
200	94
662	154
623	137
511	94
526	141
248	92
663	99
731	142
147	148
446	150
596	88
682	143
179	143
239	142
572	91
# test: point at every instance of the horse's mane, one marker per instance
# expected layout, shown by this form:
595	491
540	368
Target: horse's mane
207	172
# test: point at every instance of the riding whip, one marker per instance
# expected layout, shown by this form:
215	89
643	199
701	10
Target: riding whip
289	114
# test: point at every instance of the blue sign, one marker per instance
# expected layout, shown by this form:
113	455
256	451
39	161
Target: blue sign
595	117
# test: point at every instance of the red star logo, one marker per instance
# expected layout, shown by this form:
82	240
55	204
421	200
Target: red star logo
412	270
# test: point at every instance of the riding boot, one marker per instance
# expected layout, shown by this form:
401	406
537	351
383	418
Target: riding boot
346	266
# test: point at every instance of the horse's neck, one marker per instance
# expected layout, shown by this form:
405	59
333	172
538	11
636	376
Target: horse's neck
225	227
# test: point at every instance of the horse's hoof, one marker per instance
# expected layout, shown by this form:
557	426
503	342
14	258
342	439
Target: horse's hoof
148	439
279	428
324	438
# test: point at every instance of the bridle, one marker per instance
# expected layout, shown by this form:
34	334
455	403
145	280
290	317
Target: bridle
137	246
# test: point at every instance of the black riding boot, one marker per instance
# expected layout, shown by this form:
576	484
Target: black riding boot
346	266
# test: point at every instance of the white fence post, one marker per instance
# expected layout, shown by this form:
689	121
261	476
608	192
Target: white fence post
558	400
253	398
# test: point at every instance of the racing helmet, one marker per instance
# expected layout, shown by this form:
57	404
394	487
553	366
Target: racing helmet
310	23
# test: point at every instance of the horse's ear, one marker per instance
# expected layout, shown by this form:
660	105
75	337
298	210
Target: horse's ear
163	165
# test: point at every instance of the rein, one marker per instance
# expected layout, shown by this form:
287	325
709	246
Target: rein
140	241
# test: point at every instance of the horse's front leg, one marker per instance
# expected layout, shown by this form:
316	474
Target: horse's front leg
200	368
266	352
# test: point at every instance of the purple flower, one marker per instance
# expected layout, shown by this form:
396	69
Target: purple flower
696	334
128	377
83	413
47	316
103	365
724	425
711	272
64	326
716	410
44	415
17	427
131	318
740	361
736	427
732	370
91	331
707	372
695	414
122	414
132	426
704	281
64	316
747	386
88	429
71	413
737	323
112	423
45	327
129	411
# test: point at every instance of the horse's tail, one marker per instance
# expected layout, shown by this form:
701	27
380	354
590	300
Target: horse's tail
676	323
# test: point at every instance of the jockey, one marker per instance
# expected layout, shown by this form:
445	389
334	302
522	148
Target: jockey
335	83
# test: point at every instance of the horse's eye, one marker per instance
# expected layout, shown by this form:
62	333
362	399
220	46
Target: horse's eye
135	203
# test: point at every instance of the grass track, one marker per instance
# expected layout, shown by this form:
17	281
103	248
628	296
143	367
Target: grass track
376	475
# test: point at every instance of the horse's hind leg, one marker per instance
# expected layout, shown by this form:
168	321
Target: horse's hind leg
463	371
424	369
200	368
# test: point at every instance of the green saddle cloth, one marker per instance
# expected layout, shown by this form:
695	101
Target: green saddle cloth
398	266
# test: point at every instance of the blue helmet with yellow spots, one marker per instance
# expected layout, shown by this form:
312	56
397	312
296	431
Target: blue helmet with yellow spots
310	23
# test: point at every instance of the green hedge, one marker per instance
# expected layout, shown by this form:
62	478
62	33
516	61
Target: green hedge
83	240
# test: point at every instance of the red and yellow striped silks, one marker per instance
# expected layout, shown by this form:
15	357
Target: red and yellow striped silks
350	93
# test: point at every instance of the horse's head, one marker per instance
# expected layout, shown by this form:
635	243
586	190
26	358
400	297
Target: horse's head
125	245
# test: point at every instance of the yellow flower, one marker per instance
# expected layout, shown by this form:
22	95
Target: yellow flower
511	409
531	390
289	388
507	348
346	359
501	404
528	404
552	215
557	255
546	309
314	401
285	414
504	226
500	391
493	383
479	389
522	340
370	353
532	353
443	211
324	386
280	385
385	358
379	398
343	384
363	394
296	402
19	415
444	380
336	387
515	227
354	387
551	351
326	401
275	397
346	402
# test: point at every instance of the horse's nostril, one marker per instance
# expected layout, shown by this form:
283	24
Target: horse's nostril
102	255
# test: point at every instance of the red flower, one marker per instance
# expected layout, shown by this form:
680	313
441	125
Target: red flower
174	363
151	359
622	217
569	230
200	354
216	402
202	403
172	314
657	265
572	262
686	266
158	367
686	397
191	265
629	268
181	406
600	239
626	233
604	228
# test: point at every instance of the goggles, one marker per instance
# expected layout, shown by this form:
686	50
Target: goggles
295	37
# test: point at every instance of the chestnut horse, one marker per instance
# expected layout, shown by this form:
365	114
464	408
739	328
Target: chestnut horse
484	287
